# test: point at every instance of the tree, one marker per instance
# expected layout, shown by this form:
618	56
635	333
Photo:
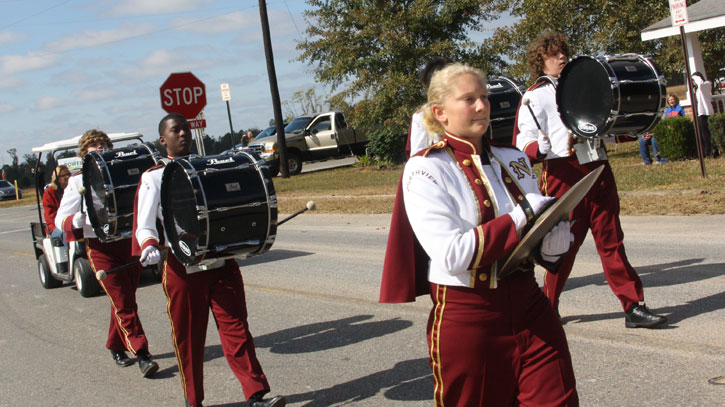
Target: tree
594	27
372	50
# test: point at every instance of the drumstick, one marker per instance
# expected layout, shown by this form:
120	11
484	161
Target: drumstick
310	205
102	274
526	102
82	191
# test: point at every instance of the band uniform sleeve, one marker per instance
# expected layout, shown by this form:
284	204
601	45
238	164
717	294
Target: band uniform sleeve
70	205
527	139
418	135
148	198
50	208
433	215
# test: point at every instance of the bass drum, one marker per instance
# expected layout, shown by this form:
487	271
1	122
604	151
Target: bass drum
618	94
111	178
218	207
504	94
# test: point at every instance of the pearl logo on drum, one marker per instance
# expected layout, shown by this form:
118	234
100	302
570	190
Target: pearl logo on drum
216	161
184	248
588	128
120	154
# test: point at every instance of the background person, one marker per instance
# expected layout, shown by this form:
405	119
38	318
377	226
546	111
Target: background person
418	137
703	94
599	210
192	291
125	331
673	107
51	201
645	141
493	341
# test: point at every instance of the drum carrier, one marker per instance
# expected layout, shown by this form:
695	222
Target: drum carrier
608	95
218	207
110	178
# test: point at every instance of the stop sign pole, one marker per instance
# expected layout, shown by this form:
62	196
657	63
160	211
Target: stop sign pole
184	93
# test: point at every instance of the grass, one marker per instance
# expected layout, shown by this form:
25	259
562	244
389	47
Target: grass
675	188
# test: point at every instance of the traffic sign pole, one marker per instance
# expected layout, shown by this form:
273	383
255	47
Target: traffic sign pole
227	96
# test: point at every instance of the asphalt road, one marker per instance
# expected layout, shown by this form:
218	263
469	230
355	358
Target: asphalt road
323	340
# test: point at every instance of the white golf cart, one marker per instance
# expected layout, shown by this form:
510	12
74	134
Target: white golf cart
56	265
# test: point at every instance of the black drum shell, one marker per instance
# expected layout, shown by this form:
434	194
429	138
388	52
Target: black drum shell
504	95
110	179
619	94
240	182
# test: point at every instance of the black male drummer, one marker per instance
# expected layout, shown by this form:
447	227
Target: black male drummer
192	291
125	331
565	161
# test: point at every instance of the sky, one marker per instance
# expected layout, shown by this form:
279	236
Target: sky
67	66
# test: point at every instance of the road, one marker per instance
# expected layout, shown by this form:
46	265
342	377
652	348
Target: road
323	340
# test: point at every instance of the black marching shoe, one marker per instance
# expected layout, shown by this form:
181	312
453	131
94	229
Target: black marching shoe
147	366
639	316
258	401
121	358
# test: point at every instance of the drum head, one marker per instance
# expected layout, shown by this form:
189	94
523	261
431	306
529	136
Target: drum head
96	196
584	97
179	208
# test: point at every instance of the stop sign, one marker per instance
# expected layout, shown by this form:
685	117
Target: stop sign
183	93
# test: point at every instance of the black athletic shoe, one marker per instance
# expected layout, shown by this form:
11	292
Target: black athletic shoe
121	358
258	401
639	316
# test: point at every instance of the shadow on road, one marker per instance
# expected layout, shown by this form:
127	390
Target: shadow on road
409	380
661	275
321	336
272	255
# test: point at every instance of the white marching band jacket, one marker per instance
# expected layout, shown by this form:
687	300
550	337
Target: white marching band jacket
542	100
71	205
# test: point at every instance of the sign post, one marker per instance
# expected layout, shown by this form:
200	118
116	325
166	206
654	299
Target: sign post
678	10
184	93
227	96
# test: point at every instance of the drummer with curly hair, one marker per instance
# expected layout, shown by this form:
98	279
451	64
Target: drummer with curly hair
192	291
542	135
125	331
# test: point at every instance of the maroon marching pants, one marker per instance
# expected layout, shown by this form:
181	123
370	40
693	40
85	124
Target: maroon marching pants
598	211
125	331
190	297
498	347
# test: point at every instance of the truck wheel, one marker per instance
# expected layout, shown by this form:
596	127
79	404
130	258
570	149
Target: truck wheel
294	163
85	279
46	279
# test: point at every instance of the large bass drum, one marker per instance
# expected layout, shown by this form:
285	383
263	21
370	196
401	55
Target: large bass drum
504	94
217	207
617	94
111	178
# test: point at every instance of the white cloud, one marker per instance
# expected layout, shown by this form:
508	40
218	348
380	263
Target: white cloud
9	37
48	102
12	64
222	23
94	95
90	38
139	7
71	77
162	62
6	108
10	82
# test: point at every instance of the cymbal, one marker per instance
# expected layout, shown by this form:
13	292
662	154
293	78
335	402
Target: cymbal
546	220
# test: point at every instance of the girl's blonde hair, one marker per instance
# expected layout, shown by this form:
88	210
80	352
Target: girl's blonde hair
441	85
56	173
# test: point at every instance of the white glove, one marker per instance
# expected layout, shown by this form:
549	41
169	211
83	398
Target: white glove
150	255
79	220
557	242
536	202
544	143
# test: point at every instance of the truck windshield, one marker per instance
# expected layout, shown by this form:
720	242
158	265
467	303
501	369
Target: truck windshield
297	124
269	131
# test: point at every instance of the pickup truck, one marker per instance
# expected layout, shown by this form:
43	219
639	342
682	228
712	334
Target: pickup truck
309	138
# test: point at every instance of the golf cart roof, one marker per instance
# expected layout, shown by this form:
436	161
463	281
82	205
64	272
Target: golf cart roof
72	143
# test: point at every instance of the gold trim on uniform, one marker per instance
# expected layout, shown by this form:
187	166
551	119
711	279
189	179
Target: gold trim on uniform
507	179
487	203
467	162
478	181
483	276
435	351
520	198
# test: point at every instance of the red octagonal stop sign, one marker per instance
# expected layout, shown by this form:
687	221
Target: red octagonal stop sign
183	93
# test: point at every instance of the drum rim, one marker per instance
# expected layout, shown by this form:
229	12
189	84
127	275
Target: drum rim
265	247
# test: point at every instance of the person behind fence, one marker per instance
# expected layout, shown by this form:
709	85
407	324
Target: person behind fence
561	169
51	201
703	95
645	141
673	107
493	340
